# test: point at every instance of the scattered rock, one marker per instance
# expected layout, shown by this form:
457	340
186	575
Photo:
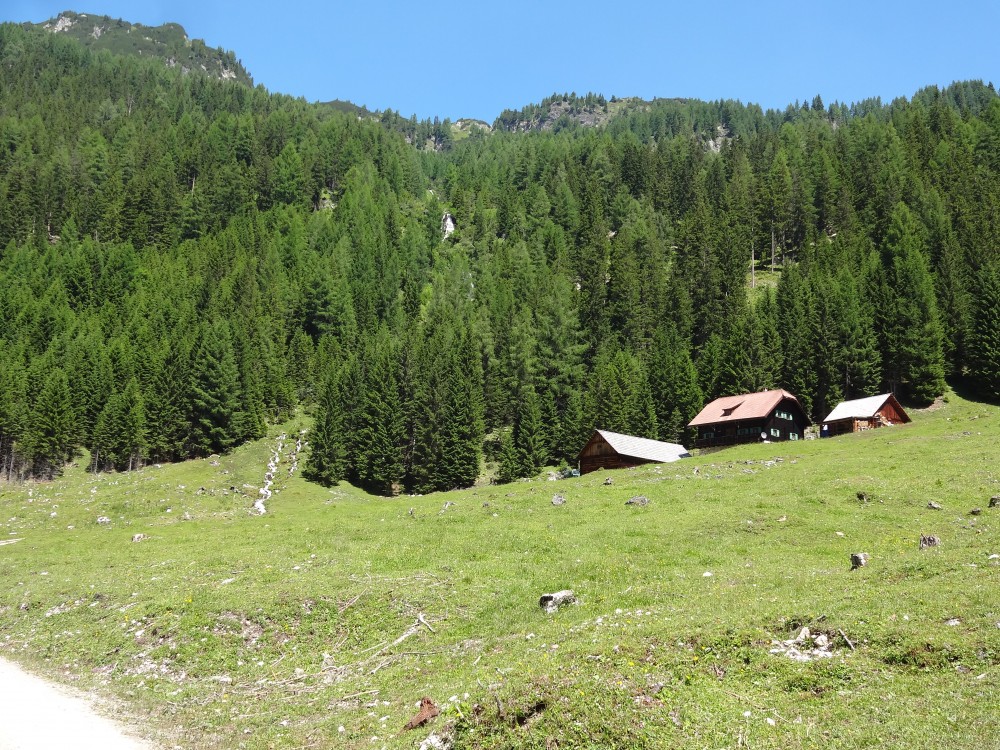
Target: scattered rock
436	742
558	500
608	482
427	712
976	512
448	504
805	646
104	520
641	500
863	497
933	505
859	560
953	622
139	537
995	501
552	602
929	541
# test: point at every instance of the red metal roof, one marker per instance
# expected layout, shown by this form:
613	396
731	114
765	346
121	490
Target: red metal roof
744	406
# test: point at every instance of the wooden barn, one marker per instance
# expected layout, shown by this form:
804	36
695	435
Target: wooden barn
750	418
864	414
611	450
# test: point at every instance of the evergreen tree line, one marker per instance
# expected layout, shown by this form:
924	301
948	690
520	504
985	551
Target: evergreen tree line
187	260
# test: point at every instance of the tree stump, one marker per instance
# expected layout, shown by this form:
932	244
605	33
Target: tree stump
859	560
552	602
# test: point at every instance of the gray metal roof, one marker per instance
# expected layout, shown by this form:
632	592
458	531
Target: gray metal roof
649	450
859	408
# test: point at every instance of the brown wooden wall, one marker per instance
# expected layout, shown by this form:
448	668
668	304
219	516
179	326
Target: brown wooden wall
891	413
597	454
613	461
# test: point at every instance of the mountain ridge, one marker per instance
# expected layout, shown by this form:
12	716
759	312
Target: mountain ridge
168	42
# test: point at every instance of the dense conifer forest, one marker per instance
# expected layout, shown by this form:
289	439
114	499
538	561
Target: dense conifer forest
185	260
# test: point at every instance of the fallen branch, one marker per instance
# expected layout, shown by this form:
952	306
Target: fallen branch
846	639
420	617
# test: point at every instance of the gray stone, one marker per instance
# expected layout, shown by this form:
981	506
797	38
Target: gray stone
928	540
641	500
552	602
933	505
558	500
859	560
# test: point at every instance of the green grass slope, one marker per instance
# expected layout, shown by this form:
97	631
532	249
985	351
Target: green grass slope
322	623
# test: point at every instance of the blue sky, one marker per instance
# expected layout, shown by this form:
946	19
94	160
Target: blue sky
475	59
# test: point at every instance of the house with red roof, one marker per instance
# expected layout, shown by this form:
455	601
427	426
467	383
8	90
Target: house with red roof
750	418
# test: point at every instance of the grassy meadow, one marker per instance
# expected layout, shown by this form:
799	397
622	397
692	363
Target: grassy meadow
324	622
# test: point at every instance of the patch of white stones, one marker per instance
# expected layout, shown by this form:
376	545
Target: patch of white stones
272	469
805	646
294	455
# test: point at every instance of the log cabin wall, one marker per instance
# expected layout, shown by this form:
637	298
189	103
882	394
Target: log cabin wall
597	454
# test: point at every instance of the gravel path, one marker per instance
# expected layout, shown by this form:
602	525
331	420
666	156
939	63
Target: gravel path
37	715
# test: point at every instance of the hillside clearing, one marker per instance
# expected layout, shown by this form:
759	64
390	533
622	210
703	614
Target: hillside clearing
324	622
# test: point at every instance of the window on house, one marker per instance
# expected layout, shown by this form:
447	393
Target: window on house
793	436
708	435
775	432
783	415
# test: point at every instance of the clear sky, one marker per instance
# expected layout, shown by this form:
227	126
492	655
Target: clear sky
475	59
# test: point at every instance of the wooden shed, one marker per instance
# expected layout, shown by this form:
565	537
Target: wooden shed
864	414
749	418
612	450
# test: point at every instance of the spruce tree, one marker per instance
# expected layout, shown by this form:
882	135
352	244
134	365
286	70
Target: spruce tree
328	453
673	381
914	361
985	336
215	398
380	432
51	429
529	434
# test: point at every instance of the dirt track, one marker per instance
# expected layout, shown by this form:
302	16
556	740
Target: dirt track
37	715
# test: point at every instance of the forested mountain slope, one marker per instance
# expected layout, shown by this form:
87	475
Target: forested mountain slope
185	259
